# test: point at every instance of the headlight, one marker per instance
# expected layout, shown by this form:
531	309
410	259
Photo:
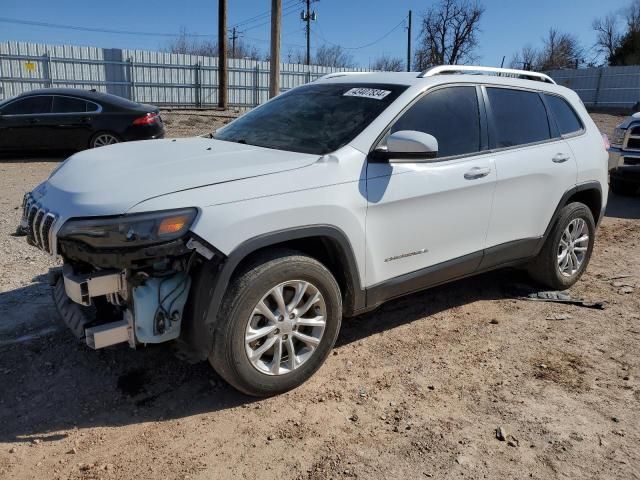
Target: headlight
130	230
618	137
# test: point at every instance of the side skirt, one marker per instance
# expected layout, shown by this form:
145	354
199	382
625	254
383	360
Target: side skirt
508	254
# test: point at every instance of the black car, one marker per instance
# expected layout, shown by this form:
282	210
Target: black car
73	119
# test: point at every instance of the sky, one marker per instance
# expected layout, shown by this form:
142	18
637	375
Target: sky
367	28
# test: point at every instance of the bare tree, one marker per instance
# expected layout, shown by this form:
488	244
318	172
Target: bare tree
449	33
185	43
525	59
632	16
244	50
388	64
561	50
333	56
608	36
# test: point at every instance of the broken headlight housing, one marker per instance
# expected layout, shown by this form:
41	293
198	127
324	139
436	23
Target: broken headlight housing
139	229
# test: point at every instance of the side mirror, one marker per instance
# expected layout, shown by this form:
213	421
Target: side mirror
409	146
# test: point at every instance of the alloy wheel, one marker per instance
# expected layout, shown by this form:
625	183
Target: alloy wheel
285	327
573	247
104	139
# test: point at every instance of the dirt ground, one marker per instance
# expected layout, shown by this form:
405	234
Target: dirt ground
413	390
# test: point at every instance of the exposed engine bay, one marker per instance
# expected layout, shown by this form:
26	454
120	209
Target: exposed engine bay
141	304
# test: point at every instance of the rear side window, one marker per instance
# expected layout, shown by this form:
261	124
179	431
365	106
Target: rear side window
519	117
566	118
451	115
69	105
29	106
92	107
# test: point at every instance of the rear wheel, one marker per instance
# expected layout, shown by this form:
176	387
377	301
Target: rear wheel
278	322
567	250
103	139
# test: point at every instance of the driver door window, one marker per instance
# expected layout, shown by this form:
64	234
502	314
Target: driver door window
451	114
29	106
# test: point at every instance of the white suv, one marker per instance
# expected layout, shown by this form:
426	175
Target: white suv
250	246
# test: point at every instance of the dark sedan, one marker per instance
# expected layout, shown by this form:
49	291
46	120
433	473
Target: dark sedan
73	119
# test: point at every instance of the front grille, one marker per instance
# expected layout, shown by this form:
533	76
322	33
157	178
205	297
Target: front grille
38	224
633	143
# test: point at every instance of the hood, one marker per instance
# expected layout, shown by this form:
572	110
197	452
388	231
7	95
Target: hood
111	180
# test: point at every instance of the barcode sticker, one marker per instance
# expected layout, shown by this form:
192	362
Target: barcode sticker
374	93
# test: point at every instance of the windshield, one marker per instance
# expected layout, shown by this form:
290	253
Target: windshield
314	118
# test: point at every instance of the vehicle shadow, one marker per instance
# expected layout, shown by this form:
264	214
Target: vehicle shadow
54	383
625	207
27	157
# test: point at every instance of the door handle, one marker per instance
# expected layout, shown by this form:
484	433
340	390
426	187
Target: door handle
33	120
560	158
477	172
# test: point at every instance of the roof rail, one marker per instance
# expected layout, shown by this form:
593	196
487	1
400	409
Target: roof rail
508	72
340	74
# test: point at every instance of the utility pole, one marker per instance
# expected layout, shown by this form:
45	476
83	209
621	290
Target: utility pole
234	37
222	54
274	63
409	44
307	17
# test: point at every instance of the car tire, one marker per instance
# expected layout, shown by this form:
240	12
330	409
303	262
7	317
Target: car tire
243	317
560	264
622	188
103	139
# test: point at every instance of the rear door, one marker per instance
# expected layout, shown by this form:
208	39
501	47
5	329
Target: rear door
23	123
71	122
534	164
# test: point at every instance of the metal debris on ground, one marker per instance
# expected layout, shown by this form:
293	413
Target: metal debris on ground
561	297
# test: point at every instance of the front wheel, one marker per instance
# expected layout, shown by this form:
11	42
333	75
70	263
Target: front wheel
278	322
567	250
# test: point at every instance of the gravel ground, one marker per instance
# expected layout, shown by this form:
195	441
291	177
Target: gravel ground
415	389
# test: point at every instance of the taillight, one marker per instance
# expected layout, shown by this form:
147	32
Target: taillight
148	119
605	139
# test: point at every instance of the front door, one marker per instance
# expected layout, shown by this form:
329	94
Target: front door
24	123
430	219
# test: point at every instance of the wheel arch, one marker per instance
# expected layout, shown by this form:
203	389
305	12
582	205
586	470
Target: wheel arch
327	244
589	193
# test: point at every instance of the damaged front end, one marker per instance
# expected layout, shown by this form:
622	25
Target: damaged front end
125	278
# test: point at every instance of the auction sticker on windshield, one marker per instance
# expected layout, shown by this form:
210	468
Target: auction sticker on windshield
375	93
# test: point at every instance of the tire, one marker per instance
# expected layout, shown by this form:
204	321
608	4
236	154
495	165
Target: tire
546	268
257	282
100	139
622	188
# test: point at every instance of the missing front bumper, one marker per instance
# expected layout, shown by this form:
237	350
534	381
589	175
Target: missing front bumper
82	288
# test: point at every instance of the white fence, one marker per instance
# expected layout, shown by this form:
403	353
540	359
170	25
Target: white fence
608	87
159	78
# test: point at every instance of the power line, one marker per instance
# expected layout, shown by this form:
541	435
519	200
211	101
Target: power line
262	15
321	37
98	30
289	11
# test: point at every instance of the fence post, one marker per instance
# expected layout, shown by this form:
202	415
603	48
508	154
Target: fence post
198	83
132	80
46	63
597	96
256	87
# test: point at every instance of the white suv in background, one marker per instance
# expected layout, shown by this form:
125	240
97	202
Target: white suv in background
250	246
